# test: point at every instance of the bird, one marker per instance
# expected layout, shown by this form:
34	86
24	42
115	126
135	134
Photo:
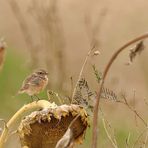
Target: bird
34	83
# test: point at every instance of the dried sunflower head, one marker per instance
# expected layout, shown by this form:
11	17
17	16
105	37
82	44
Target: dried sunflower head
44	128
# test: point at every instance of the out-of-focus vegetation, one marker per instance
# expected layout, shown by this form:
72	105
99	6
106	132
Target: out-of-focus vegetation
57	35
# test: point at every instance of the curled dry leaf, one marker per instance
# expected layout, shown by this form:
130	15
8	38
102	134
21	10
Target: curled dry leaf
66	140
136	50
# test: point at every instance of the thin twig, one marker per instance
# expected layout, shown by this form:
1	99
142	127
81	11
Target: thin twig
132	109
71	80
112	140
54	94
139	137
145	101
108	135
134	102
127	140
146	138
5	123
107	68
81	72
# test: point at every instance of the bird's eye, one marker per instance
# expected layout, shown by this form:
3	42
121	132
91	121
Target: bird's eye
40	72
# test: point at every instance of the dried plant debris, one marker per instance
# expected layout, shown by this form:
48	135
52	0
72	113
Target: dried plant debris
97	52
108	94
5	126
44	128
52	96
136	50
98	74
83	96
67	140
5	123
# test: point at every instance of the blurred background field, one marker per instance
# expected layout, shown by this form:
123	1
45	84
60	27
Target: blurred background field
57	35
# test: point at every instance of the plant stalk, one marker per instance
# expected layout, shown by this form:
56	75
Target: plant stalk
107	68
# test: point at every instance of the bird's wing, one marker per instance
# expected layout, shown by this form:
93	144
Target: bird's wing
30	80
35	81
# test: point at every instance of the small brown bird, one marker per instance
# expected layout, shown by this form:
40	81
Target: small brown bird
34	83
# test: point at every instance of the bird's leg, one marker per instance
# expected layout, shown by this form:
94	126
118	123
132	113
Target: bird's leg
32	98
37	97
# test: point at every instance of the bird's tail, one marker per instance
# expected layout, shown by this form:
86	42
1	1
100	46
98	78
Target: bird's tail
21	91
17	93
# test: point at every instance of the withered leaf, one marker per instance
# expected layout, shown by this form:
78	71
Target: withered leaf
108	94
98	74
66	140
83	96
136	50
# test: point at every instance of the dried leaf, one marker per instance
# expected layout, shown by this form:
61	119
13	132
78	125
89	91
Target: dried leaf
108	94
83	95
97	74
66	140
54	96
136	50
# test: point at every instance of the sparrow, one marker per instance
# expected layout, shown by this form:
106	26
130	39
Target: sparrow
34	83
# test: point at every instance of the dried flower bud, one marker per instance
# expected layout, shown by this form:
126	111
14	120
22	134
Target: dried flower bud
97	52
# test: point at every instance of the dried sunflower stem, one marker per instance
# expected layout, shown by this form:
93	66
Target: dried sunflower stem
108	66
34	105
